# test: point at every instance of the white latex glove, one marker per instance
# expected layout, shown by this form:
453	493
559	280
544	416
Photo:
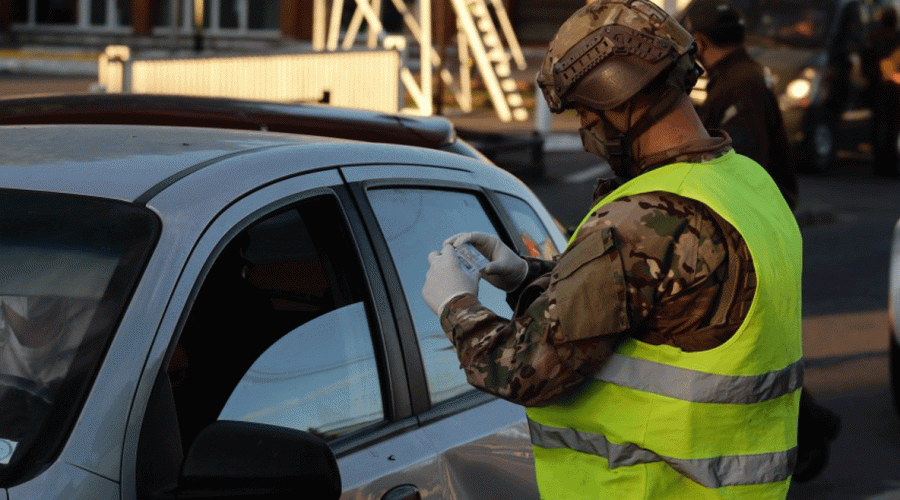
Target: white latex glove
506	271
446	279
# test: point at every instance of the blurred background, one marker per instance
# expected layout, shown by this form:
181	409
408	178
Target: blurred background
474	62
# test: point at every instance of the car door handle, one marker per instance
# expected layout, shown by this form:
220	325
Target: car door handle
403	492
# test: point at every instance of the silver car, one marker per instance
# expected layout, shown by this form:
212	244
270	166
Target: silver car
192	312
894	315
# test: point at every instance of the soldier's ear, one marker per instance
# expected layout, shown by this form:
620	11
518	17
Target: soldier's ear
701	41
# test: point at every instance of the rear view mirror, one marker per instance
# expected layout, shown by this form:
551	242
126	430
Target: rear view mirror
231	459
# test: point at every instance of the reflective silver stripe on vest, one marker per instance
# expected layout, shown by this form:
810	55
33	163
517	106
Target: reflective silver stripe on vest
700	387
732	470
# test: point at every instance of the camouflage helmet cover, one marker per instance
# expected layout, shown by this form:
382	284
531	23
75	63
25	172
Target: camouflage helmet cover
609	50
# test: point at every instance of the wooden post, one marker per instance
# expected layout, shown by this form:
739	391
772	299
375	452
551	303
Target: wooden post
6	8
142	17
199	14
440	39
295	19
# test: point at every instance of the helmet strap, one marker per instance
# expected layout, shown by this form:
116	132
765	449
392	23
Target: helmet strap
599	138
618	149
661	108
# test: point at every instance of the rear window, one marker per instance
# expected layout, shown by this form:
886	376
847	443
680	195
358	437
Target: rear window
67	266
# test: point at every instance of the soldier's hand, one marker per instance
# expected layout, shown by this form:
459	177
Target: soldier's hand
507	269
446	279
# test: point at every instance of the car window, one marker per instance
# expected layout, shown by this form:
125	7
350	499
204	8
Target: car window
278	332
416	222
64	282
534	234
313	379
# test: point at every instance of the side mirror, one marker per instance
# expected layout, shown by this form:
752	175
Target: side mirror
247	460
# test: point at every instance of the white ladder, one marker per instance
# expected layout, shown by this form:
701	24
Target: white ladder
477	37
492	57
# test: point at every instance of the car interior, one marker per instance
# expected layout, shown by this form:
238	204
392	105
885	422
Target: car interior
277	274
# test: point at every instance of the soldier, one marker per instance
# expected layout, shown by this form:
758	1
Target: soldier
659	356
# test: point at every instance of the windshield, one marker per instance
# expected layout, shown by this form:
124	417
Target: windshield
797	23
67	266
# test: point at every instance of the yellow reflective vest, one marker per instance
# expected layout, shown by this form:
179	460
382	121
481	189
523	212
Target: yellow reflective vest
659	423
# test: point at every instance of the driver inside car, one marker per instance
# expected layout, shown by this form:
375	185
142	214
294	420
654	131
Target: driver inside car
38	338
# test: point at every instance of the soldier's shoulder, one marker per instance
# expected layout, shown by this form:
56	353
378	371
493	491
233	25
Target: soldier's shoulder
653	202
658	212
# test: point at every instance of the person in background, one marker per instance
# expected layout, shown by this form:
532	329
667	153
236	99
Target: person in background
740	101
738	97
659	355
881	66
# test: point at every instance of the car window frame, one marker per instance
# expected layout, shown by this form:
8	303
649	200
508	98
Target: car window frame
420	397
394	408
237	216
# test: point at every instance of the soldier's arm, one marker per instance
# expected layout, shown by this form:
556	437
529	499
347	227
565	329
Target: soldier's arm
532	285
529	360
603	288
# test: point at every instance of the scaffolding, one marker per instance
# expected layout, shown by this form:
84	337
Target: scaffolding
484	36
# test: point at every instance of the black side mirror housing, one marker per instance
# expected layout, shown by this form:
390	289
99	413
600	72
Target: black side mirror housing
231	459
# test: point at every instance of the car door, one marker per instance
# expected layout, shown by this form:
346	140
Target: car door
281	317
483	443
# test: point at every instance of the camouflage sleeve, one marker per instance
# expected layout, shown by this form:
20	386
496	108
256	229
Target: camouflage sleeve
522	360
511	359
569	321
530	287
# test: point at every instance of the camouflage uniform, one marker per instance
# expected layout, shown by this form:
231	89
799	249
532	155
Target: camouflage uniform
652	266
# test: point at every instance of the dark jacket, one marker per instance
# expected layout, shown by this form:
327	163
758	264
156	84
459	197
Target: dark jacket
740	102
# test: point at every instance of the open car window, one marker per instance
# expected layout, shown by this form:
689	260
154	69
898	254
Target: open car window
279	332
321	378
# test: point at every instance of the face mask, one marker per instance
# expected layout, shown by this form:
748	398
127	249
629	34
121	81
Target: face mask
593	144
612	151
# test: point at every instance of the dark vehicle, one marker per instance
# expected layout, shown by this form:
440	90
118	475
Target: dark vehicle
813	53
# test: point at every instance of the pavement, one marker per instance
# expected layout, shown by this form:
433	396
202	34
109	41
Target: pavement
55	61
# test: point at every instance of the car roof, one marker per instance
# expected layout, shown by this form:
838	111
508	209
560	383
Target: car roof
135	162
219	112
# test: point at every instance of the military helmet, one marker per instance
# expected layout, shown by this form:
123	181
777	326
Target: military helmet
609	50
